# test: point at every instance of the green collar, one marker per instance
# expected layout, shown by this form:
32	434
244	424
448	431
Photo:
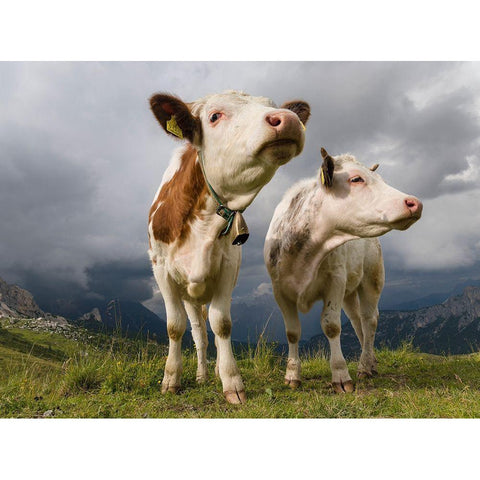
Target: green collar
222	210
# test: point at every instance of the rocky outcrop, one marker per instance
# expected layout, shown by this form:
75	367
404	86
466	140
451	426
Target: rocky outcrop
16	302
92	316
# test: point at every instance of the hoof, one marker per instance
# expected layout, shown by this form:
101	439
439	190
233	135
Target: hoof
201	379
343	387
293	383
170	389
235	397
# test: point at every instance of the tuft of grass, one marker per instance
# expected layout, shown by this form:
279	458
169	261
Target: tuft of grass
83	374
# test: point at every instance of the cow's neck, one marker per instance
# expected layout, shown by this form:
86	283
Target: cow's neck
230	205
235	198
324	239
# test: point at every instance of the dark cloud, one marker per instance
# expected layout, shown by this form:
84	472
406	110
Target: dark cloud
405	285
127	279
81	157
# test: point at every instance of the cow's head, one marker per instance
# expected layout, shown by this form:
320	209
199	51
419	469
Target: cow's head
360	202
243	139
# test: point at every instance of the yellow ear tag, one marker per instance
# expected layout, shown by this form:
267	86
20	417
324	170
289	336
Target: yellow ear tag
172	127
322	177
304	127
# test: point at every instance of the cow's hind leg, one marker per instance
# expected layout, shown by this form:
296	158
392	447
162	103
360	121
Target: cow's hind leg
351	306
331	326
197	318
369	293
367	365
293	331
176	324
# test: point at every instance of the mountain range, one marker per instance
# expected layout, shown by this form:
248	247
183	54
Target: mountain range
449	327
130	318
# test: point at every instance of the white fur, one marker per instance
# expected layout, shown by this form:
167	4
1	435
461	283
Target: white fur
308	258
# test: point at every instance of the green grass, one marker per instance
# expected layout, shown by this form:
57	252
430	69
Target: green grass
115	377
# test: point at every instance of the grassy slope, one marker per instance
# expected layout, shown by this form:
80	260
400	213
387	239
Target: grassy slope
41	372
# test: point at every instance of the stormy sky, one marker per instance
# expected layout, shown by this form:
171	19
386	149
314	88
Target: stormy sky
81	157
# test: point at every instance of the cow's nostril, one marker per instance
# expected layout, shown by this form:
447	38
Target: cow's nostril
273	120
411	204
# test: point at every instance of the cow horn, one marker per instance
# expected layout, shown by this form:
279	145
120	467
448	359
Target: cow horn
374	167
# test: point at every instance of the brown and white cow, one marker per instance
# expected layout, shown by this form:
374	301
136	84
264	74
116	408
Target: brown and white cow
236	142
308	258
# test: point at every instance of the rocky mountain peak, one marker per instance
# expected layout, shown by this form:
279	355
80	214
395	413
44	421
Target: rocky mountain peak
465	305
17	302
472	294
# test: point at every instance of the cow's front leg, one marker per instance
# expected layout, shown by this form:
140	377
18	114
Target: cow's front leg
176	324
199	334
331	326
293	331
221	323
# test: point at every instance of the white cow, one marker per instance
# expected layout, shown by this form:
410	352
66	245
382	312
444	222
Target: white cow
308	258
236	142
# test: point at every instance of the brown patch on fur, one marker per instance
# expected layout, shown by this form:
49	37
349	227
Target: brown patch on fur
297	240
292	337
377	277
224	330
295	232
331	330
274	253
173	333
377	282
181	199
295	201
296	204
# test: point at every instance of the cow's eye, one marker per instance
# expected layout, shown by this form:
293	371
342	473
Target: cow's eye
357	179
214	117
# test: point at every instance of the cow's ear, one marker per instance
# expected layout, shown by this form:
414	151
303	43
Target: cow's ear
374	167
301	108
326	172
175	117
